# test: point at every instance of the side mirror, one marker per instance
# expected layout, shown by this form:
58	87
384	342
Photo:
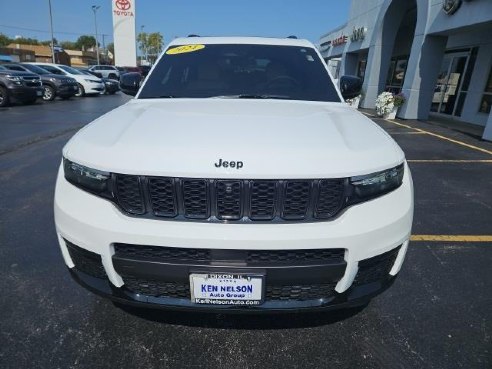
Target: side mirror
130	83
350	86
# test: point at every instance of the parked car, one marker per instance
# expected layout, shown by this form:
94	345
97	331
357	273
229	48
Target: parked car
24	87
124	70
237	179
111	86
106	71
86	85
53	85
145	69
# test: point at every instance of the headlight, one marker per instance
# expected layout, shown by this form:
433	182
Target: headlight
16	80
54	80
91	180
367	187
91	81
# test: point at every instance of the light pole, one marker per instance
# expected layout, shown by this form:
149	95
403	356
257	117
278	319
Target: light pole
94	9
143	44
52	37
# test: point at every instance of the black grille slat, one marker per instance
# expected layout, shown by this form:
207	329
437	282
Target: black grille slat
250	257
129	194
159	253
298	256
300	292
296	199
195	198
163	197
228	199
330	197
262	200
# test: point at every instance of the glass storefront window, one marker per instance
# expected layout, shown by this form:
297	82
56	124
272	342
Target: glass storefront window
396	74
361	69
486	103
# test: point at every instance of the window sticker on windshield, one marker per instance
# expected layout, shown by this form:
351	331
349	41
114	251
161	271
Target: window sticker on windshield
184	49
309	58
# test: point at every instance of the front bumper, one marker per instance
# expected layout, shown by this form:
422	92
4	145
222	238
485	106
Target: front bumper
25	93
67	89
94	88
365	231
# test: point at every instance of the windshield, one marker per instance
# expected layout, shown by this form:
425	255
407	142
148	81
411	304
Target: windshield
70	70
240	71
51	69
35	69
85	72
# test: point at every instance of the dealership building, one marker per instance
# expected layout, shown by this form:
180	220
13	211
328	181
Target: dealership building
438	53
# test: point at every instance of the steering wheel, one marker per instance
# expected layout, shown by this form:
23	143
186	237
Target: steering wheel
282	79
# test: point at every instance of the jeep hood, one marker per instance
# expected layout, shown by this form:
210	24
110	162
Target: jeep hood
273	139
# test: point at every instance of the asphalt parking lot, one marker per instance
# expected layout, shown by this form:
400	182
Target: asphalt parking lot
436	315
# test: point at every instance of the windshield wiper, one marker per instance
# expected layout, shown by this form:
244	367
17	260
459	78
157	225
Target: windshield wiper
252	96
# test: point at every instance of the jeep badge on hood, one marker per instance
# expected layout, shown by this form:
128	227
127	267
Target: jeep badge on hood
229	164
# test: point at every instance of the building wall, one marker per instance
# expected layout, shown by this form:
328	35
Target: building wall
435	32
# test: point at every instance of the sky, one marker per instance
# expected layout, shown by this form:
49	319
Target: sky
277	18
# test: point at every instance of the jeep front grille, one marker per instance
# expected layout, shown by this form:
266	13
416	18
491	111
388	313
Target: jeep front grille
229	200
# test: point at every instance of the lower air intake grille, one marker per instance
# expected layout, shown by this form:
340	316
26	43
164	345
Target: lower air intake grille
376	268
86	261
156	288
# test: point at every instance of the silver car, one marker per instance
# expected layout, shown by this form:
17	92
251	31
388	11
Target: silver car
106	71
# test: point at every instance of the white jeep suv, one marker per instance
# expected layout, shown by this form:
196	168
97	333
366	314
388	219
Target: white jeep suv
236	179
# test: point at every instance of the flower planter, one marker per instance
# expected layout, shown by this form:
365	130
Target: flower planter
354	103
387	104
391	114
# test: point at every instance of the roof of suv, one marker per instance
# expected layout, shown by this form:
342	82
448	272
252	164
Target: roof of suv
241	40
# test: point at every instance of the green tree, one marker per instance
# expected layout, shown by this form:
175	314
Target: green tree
68	45
143	40
110	50
25	41
150	44
85	42
4	40
110	47
48	42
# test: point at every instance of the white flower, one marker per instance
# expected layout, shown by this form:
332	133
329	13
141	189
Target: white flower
385	103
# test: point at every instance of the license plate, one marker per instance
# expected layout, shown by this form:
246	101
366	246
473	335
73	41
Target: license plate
226	289
39	93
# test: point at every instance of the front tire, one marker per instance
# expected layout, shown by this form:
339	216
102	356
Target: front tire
112	76
49	93
4	98
80	91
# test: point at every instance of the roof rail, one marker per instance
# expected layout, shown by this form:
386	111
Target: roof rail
292	37
193	35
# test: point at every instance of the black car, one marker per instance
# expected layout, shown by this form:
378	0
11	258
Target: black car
53	85
111	86
24	87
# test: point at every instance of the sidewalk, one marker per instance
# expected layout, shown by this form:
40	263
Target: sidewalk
472	130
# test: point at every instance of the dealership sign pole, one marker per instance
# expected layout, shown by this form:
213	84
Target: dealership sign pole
125	49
